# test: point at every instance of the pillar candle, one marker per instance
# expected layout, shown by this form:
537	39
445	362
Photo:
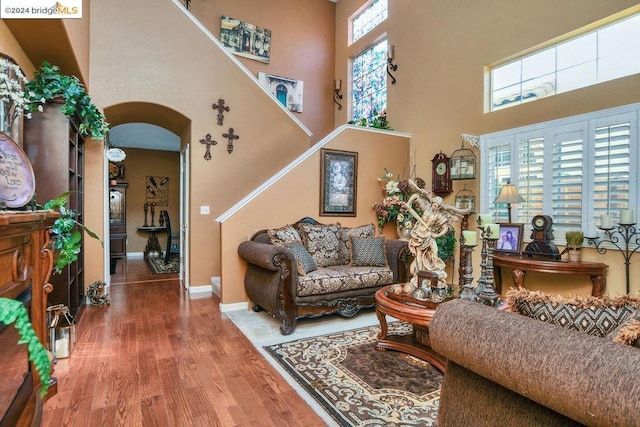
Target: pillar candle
605	221
484	219
470	237
493	231
591	229
626	216
390	52
338	83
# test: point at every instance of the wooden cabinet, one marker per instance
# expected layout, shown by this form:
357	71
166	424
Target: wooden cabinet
56	151
118	220
26	260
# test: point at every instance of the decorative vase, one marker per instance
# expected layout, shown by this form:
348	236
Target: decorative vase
404	233
574	254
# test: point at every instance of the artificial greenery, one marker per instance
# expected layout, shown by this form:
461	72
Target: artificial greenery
574	238
67	241
13	311
49	84
446	245
377	121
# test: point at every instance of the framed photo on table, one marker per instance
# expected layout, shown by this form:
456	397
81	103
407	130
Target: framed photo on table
510	240
338	182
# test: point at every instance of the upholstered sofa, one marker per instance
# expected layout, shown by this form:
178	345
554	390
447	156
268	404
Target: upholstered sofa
509	369
309	269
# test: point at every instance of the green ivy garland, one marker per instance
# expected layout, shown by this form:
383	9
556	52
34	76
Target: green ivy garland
13	311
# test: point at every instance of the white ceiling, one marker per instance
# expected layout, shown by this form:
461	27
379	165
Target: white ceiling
143	135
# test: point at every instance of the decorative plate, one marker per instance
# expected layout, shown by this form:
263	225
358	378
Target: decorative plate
17	182
116	154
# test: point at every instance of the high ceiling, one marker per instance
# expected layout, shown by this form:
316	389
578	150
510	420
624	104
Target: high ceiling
143	135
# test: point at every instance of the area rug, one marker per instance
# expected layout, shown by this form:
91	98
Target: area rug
157	265
358	385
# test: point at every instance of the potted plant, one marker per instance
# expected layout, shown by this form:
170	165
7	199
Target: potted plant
574	243
49	85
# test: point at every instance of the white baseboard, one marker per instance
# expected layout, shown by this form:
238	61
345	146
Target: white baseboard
135	254
233	307
215	283
200	289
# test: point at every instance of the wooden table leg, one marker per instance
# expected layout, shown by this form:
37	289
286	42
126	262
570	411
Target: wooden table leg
382	318
518	278
599	284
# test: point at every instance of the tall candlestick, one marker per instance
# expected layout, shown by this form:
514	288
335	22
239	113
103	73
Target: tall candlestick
493	232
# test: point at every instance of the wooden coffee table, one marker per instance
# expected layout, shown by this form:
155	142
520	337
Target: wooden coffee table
417	344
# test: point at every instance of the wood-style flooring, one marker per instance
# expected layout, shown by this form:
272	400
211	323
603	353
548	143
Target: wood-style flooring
159	357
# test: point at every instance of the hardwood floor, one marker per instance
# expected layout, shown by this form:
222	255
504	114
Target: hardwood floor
159	357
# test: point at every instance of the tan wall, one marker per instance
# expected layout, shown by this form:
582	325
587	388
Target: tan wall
138	165
168	61
301	48
441	50
297	195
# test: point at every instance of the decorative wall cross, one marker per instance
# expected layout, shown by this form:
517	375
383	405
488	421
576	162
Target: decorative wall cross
221	109
230	136
208	142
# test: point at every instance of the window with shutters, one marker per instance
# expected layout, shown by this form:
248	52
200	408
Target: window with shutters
606	53
575	169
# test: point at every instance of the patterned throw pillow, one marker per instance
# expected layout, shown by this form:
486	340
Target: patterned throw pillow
282	236
345	245
593	315
368	251
322	242
303	258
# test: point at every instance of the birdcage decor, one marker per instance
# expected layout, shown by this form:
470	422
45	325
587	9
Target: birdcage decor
466	199
463	163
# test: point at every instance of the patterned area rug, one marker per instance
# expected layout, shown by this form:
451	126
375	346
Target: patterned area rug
358	385
157	265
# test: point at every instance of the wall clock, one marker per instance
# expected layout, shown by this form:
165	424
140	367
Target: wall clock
441	175
542	235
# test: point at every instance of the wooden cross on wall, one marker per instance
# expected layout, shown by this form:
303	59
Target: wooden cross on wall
208	142
221	109
230	136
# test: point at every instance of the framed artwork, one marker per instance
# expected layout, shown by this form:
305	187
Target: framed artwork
510	240
338	182
287	91
246	40
158	190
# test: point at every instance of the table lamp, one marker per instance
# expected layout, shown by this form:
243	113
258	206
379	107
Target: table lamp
509	194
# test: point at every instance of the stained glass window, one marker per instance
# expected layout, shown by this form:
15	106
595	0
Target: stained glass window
370	82
374	14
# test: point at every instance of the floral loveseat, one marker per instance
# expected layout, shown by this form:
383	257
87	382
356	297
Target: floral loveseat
310	269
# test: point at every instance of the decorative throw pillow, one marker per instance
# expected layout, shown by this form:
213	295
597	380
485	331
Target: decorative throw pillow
629	331
322	242
282	236
303	258
345	245
368	251
593	315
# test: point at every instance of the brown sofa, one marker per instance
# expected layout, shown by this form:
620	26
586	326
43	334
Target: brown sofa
274	282
508	369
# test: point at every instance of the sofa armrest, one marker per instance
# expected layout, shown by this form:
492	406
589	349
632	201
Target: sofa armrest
394	249
263	254
589	379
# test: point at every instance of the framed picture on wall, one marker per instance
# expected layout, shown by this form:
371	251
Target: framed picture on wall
338	182
158	190
245	39
510	240
288	92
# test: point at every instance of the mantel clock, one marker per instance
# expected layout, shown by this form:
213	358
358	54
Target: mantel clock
542	235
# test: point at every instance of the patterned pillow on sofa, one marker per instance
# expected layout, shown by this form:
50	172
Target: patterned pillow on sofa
322	242
368	252
629	331
304	261
345	245
282	236
598	316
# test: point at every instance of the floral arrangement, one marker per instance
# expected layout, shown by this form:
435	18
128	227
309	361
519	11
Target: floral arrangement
12	96
392	208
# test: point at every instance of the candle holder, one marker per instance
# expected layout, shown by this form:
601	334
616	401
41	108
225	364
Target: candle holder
621	239
488	296
146	208
153	214
468	292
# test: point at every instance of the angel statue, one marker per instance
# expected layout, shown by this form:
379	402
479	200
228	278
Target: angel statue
435	221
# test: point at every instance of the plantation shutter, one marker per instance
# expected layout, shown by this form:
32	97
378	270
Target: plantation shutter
567	173
530	176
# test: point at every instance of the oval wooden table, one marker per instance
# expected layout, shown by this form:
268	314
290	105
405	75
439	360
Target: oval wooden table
417	344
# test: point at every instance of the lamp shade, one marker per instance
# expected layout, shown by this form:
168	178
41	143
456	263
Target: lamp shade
509	194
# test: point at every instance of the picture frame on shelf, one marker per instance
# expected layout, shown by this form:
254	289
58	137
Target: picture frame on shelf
338	182
510	238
